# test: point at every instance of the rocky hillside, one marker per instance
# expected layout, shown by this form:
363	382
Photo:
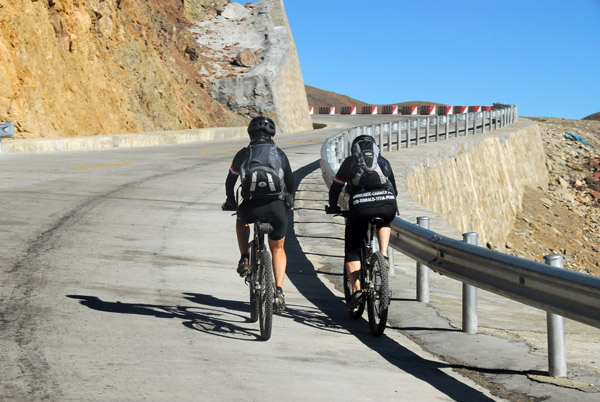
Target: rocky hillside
85	67
565	219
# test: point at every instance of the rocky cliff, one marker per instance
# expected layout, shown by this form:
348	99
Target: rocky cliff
87	67
265	77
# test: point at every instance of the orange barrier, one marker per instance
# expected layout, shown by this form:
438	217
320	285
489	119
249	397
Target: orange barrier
409	110
327	110
444	110
427	110
348	110
390	109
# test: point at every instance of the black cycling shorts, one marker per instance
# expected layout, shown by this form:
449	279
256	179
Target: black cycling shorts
275	211
357	225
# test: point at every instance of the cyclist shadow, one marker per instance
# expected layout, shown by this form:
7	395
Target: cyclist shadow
223	318
305	315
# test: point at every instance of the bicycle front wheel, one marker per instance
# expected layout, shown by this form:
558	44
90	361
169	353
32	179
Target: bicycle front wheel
267	294
379	293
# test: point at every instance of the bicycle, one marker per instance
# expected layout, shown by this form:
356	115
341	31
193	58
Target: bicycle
260	280
374	280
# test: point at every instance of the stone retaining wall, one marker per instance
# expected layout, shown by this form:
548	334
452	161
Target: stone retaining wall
478	186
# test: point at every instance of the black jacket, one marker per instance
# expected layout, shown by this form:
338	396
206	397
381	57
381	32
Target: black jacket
240	157
345	173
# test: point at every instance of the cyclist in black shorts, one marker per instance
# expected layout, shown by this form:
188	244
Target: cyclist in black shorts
372	194
261	131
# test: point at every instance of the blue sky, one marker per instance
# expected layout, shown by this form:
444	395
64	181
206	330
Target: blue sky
543	56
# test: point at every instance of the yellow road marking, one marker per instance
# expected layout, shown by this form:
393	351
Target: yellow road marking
101	166
221	150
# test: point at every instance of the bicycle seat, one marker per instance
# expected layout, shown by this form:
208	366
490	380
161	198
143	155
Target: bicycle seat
377	221
263	226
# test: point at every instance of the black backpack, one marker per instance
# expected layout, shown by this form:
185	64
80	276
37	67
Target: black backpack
367	174
261	172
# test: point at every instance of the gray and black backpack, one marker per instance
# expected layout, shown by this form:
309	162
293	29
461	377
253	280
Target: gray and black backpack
261	173
367	174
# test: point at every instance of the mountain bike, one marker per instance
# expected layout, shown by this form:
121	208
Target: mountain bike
260	280
374	280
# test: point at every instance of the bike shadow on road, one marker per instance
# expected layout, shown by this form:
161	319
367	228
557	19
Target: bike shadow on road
303	275
224	318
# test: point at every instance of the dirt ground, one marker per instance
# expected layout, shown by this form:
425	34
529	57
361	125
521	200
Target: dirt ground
565	218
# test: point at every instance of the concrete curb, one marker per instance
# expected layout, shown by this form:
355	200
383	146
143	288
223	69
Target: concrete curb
97	142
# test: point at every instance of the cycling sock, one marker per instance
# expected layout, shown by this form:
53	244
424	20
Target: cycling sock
247	255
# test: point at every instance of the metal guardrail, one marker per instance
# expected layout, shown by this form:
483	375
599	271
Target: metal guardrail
550	288
7	130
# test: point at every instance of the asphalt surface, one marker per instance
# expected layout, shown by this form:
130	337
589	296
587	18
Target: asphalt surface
118	283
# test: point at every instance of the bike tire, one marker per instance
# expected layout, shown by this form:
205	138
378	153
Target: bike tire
379	294
252	285
267	294
358	311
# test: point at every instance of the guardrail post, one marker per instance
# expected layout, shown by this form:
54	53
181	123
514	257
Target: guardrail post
557	362
427	130
469	308
483	122
423	270
437	128
408	133
418	130
399	135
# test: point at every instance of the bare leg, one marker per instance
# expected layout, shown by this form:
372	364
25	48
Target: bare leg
383	236
279	260
353	268
243	235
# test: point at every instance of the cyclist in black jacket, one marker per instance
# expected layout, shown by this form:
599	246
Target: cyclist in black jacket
262	130
366	202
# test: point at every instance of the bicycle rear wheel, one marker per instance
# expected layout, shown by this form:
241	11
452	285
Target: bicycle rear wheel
253	281
267	294
358	311
379	293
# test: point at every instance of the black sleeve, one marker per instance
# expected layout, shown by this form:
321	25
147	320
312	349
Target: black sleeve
288	176
341	178
387	170
393	181
234	172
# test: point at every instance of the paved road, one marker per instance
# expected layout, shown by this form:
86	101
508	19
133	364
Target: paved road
118	283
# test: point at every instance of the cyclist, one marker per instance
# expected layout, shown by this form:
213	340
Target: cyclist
370	183
261	131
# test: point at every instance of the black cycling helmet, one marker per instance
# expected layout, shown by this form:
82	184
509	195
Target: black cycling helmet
363	137
261	126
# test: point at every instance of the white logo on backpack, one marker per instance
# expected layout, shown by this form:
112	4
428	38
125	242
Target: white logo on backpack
367	174
261	173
